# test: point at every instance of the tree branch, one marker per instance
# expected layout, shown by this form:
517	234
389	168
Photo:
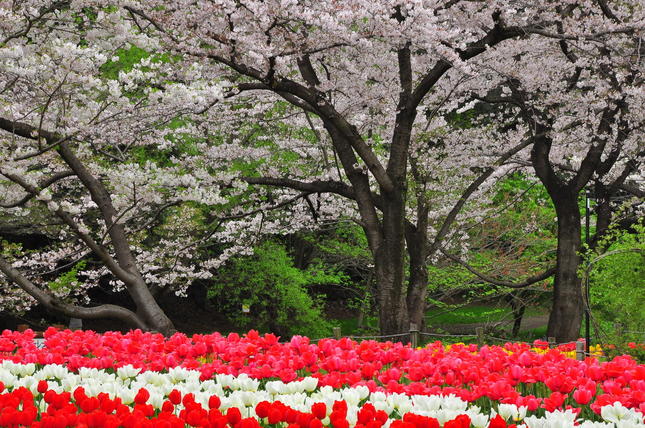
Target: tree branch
496	35
41	186
452	215
317	186
592	158
526	283
100	196
48	300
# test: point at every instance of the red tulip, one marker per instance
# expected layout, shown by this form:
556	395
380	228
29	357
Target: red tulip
497	422
174	397
582	396
214	402
319	410
142	396
233	415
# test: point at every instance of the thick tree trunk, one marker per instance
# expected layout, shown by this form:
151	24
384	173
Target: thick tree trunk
393	313
566	313
389	269
416	299
148	308
417	244
416	237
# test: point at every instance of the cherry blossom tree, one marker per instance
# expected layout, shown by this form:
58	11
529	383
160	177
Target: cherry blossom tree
68	143
370	77
578	94
350	99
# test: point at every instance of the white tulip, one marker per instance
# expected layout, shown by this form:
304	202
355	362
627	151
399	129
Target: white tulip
479	420
453	402
310	383
127	371
615	412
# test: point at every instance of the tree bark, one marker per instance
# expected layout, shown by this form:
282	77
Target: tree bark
518	307
389	266
417	244
566	311
393	314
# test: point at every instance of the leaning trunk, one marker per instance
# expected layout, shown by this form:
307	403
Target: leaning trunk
148	308
566	313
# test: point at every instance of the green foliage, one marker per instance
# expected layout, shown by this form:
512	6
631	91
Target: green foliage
617	282
274	291
348	242
515	240
345	249
126	59
68	280
10	249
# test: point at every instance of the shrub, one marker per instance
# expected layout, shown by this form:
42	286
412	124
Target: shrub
274	292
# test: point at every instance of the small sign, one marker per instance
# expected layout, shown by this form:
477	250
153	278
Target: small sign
246	309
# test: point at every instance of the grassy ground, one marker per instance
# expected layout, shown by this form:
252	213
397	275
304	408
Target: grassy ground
474	314
438	317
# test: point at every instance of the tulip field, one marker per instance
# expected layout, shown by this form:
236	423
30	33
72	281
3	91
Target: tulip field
86	379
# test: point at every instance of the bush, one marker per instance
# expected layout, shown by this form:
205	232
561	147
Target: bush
617	284
274	292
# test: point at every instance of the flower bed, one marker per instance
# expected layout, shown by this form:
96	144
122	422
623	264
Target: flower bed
140	378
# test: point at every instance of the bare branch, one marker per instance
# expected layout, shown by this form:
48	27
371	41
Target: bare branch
529	281
452	215
317	186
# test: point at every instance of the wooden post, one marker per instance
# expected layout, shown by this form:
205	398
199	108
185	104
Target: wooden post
618	328
580	350
479	331
75	324
551	341
414	335
337	333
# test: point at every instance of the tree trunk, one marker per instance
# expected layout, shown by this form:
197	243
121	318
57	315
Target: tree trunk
518	308
566	313
417	243
148	309
416	237
393	314
389	268
416	299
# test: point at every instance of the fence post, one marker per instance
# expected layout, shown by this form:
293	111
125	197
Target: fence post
336	332
618	328
580	350
414	335
479	331
551	341
75	324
